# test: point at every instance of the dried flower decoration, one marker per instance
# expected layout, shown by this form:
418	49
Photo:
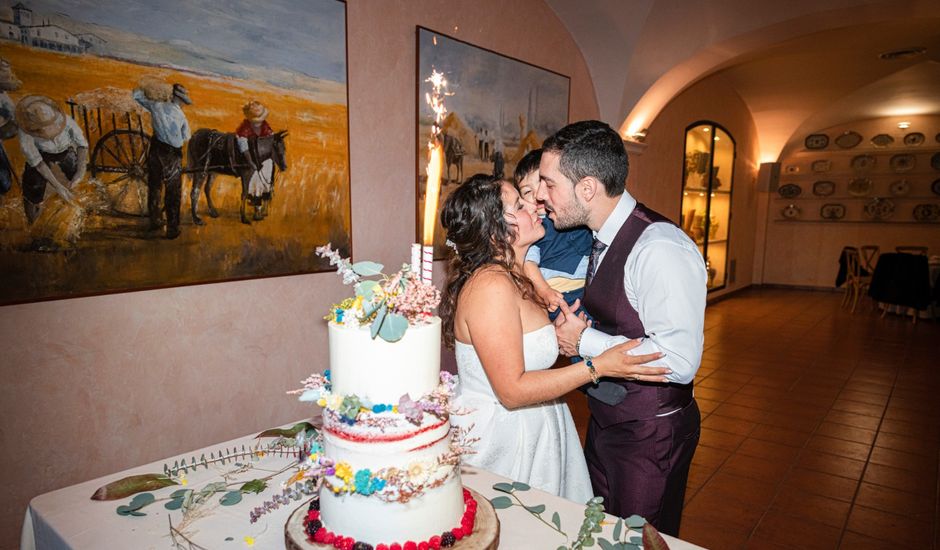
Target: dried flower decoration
388	304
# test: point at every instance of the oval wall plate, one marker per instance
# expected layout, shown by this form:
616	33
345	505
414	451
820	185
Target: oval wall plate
859	187
832	211
903	163
882	140
900	188
816	141
914	139
821	166
863	162
790	190
927	212
824	188
848	140
879	209
791	212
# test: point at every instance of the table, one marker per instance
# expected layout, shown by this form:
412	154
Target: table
68	518
903	281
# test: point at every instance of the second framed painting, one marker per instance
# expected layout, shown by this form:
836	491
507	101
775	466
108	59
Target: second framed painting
498	109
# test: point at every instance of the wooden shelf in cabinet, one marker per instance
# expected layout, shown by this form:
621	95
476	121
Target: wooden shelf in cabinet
863	222
703	190
865	198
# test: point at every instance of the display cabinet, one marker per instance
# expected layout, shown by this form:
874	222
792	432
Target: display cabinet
707	183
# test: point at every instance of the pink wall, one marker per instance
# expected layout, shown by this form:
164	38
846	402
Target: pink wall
805	253
656	174
96	385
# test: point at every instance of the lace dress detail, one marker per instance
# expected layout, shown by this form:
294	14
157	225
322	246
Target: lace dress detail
536	444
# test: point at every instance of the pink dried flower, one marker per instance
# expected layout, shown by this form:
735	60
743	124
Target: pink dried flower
416	301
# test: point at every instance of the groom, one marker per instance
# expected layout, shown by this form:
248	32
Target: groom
646	279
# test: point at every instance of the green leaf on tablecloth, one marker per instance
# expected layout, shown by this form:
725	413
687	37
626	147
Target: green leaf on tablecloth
562	548
596	500
618	527
231	498
605	544
174	504
556	520
179	493
635	522
587	542
504	487
652	540
394	327
123	510
379	319
629	546
367	268
142	500
501	502
254	486
128	486
288	432
519	486
136	513
214	487
537	509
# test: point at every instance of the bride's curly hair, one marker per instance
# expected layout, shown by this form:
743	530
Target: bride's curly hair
474	222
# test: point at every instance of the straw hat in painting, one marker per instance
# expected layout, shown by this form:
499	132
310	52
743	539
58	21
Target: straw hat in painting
8	80
255	111
40	117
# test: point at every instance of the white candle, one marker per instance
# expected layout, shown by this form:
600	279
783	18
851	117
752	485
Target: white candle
427	263
416	258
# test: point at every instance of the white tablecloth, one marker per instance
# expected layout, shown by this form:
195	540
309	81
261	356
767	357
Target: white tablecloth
69	519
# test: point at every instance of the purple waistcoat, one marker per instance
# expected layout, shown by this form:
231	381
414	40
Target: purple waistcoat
607	303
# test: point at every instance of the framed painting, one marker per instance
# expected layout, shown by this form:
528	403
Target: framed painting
155	143
498	109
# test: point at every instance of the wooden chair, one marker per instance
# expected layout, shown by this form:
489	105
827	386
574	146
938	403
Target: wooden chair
869	254
912	250
855	283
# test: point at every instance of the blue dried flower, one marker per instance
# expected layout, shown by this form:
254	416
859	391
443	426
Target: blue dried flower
363	482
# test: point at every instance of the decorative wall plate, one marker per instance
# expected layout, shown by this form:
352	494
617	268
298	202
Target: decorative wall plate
900	188
848	140
791	212
879	209
935	161
820	166
935	187
882	140
863	162
790	190
832	211
927	212
791	169
824	188
859	187
816	141
903	163
914	139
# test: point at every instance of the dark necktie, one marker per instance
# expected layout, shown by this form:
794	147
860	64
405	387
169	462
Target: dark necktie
597	247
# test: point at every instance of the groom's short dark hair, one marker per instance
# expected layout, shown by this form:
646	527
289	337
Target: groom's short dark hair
591	148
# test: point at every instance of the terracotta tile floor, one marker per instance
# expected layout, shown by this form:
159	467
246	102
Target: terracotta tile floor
820	429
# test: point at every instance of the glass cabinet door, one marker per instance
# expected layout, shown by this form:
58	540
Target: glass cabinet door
706	195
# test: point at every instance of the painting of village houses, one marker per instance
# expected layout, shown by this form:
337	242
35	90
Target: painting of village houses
168	143
498	109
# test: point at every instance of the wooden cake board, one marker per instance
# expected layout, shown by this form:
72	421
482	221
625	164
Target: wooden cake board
485	534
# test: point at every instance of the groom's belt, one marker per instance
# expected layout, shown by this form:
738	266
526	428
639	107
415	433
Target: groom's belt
644	400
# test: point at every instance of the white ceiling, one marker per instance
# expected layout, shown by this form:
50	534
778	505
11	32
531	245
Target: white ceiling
798	64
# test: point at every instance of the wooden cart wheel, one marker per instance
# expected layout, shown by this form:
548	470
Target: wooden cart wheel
119	160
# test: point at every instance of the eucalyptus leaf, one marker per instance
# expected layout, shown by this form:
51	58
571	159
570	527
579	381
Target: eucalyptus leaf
504	487
123	510
287	432
501	502
618	527
179	493
367	268
141	500
588	542
366	289
136	513
556	520
537	509
632	547
128	486
519	486
636	540
562	548
174	504
605	544
254	486
635	522
379	319
394	327
214	487
231	498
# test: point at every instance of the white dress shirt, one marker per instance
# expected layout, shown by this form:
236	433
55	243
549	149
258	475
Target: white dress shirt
665	281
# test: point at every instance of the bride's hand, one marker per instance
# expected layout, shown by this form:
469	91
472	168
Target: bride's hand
617	363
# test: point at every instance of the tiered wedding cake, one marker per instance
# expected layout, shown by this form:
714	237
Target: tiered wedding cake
388	465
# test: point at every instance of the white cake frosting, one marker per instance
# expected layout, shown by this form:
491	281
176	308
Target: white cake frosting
381	373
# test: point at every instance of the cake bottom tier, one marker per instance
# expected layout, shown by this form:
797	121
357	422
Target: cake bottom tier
484	534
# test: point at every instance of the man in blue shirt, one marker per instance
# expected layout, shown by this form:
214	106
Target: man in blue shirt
165	158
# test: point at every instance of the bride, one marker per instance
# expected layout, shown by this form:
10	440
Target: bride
505	344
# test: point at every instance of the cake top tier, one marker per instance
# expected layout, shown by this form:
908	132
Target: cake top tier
387	304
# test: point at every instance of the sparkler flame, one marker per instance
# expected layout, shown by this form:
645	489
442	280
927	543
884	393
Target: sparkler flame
435	100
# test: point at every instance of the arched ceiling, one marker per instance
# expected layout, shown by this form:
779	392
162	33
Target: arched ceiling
790	61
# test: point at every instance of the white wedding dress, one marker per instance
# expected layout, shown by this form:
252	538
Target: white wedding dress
537	444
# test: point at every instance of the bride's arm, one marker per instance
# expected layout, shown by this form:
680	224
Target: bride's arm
490	309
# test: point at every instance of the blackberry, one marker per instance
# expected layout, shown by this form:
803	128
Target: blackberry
315	504
313	527
448	539
362	546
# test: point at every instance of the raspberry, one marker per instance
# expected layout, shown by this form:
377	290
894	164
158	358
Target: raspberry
435	542
423	546
394	546
313	514
410	546
381	547
448	539
458	533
